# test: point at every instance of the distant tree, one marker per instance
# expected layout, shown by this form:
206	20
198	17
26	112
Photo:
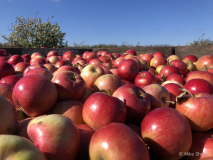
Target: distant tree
201	41
33	33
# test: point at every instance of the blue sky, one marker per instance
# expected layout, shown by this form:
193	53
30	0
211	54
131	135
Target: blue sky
149	22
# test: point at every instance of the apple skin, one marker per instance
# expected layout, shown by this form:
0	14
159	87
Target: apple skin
15	59
131	52
11	80
70	85
167	132
158	60
107	83
90	73
89	56
147	57
38	61
69	55
54	133
89	92
22	129
53	59
14	147
95	61
202	145
116	55
105	59
200	118
61	63
69	108
144	78
100	109
118	61
172	57
181	65
32	67
158	53
6	90
192	58
137	102
114	71
35	94
40	71
190	65
204	60
198	85
85	135
51	53
8	117
200	74
4	53
50	67
128	70
174	91
35	54
167	70
6	69
116	141
159	95
176	77
20	67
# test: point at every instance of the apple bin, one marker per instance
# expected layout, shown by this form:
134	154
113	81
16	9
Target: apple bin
105	106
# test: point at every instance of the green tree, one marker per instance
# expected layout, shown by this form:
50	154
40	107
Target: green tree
202	41
33	33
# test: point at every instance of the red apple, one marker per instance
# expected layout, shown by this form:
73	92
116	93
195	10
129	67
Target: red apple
202	145
95	61
40	71
16	147
117	141
204	60
69	55
198	85
114	71
174	91
131	52
158	60
20	67
137	102
6	69
71	109
147	57
176	77
181	65
53	59
15	59
50	67
11	80
159	95
105	59
128	69
200	118
116	55
61	63
22	129
118	61
167	132
32	67
8	117
167	70
53	133
4	53
51	53
89	92
34	94
6	90
201	74
100	109
70	85
90	73
144	78
2	58
107	83
158	53
85	135
35	54
192	58
89	56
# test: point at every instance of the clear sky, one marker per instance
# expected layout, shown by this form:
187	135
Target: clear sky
149	22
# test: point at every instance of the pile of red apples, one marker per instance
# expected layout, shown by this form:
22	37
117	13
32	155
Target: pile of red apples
105	106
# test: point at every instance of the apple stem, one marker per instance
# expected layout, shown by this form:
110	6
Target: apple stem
182	94
171	102
205	68
163	78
